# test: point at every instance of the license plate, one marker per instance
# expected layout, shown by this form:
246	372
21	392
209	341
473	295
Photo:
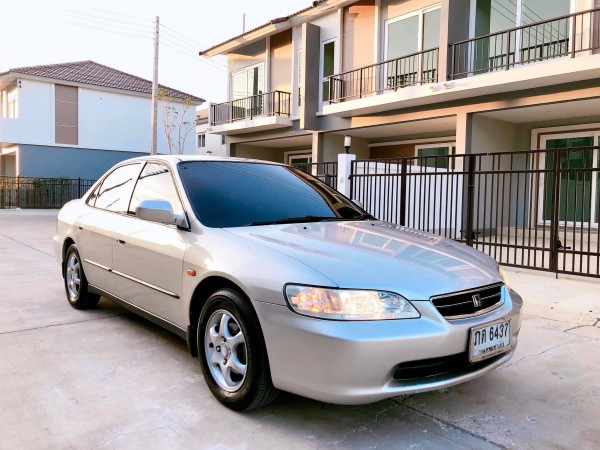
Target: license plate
489	340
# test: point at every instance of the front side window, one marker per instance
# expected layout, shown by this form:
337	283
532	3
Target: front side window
156	183
234	194
115	191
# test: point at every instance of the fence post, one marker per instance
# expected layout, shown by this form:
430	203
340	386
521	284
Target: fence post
78	187
554	220
18	191
508	51
344	171
470	198
403	180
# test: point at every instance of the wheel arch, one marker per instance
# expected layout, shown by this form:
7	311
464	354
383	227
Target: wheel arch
66	244
202	292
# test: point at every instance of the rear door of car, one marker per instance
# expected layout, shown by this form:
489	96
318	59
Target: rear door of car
148	256
97	227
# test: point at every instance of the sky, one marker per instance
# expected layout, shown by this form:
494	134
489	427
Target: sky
118	33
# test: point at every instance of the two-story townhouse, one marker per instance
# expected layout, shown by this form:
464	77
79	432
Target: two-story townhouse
78	119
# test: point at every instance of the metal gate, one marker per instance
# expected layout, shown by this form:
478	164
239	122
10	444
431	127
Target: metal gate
537	209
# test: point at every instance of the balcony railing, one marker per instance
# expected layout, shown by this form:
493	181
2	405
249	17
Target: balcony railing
276	103
553	38
410	70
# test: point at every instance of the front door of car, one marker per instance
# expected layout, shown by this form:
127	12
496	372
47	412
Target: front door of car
97	228
148	256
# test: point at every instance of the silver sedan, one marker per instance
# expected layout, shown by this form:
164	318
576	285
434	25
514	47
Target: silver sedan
278	282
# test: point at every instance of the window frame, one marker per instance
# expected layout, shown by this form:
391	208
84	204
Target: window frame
203	136
101	183
177	190
245	70
322	78
420	38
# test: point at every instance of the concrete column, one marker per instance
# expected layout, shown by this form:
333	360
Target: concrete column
454	27
310	80
344	172
464	131
318	141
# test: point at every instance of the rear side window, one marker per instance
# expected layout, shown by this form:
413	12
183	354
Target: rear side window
115	191
156	183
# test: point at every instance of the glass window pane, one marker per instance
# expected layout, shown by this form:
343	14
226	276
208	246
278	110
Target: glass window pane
238	85
495	15
233	194
429	152
575	186
539	10
403	37
431	29
156	183
115	192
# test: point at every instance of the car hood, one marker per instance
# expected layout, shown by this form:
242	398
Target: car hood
379	255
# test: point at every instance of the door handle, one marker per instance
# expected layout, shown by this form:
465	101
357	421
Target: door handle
80	228
120	242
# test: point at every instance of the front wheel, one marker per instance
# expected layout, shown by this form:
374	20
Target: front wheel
232	352
76	285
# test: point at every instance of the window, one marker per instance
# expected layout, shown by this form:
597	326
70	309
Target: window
234	194
328	64
156	183
431	153
115	191
412	33
9	102
248	81
223	140
201	140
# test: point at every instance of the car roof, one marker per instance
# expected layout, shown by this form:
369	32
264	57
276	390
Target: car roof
174	159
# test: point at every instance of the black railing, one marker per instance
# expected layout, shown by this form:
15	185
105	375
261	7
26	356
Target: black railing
324	171
45	193
410	70
276	103
553	38
537	209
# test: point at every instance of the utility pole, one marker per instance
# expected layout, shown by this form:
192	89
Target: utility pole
153	118
243	22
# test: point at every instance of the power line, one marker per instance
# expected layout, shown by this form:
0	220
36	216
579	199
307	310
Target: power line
188	41
190	49
194	58
115	14
108	30
85	16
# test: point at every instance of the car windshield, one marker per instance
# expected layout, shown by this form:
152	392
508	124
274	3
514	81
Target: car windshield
233	194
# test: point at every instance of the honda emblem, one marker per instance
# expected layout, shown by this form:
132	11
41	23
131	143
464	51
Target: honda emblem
477	300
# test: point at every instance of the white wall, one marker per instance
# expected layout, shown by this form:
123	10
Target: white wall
35	121
107	120
213	142
118	121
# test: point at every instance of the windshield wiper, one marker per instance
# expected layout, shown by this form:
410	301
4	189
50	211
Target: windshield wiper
364	217
294	220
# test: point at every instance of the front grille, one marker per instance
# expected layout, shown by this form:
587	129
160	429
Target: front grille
461	305
438	366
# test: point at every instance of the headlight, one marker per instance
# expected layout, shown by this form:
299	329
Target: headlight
504	277
348	304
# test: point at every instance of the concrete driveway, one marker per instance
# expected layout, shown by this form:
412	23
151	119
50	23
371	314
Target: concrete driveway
108	379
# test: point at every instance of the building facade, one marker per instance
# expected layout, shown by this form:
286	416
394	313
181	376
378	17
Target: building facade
413	77
78	119
207	142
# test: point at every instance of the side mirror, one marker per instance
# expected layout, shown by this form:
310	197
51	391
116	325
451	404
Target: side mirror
159	211
357	203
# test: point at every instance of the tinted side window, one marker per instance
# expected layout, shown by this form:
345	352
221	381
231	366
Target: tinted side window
156	183
115	192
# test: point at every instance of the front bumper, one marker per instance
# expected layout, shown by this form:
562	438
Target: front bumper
354	362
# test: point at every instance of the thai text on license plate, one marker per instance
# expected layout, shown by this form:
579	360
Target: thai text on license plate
489	340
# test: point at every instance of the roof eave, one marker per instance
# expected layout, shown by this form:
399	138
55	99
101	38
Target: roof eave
246	39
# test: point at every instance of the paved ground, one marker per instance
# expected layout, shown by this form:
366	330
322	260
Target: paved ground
107	379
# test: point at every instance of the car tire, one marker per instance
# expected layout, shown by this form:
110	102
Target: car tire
76	285
232	352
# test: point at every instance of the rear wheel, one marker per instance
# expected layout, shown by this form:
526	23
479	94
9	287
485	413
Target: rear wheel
232	352
76	285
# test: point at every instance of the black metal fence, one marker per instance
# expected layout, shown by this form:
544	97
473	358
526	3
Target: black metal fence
46	193
410	70
324	171
548	39
276	103
534	209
